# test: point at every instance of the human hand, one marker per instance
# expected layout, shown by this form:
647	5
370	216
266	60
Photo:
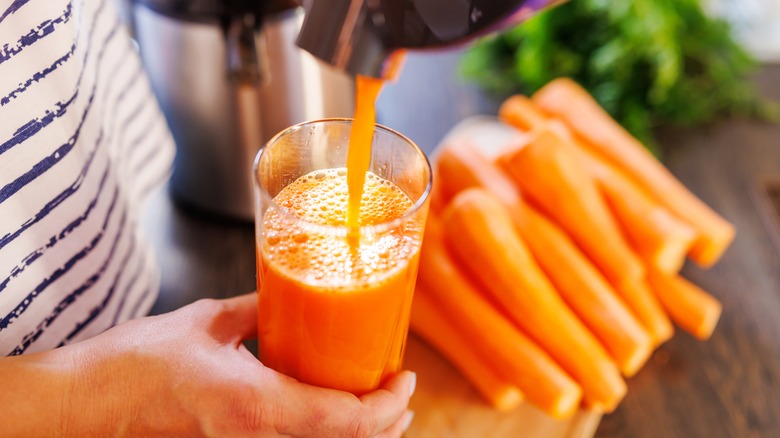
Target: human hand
188	373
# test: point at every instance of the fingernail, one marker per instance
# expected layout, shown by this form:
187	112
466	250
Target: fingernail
409	418
413	385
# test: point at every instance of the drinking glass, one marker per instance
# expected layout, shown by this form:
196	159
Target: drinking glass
334	306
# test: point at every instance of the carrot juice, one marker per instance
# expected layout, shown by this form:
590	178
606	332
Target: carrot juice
360	138
331	313
340	211
334	298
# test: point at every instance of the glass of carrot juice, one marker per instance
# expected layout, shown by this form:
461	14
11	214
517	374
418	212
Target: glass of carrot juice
334	300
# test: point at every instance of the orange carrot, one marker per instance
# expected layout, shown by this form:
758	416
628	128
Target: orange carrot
576	199
659	237
691	308
580	284
565	99
521	112
513	356
588	293
430	323
548	171
481	232
638	296
460	166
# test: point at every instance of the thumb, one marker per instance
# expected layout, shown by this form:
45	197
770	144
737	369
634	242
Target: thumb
236	319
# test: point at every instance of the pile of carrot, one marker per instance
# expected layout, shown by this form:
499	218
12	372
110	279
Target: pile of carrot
551	273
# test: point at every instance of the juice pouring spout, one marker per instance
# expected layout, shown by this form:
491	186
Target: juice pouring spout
359	36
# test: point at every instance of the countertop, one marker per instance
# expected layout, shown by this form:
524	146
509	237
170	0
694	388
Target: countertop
728	386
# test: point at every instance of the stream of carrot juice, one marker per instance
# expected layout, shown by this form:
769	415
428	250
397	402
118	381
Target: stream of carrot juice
359	153
334	308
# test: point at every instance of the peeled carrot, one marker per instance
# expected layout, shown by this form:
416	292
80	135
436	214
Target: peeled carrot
659	237
514	357
548	171
521	112
576	199
565	99
460	166
640	298
691	308
481	233
430	323
588	293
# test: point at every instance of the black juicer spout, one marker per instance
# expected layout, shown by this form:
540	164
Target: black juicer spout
358	36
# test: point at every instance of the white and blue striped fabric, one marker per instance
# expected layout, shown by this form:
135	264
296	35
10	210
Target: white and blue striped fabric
82	141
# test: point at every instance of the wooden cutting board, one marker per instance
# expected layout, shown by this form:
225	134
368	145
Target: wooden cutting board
446	406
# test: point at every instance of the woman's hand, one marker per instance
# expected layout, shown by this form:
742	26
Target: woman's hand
186	373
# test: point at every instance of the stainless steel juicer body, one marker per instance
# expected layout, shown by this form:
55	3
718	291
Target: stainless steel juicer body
229	76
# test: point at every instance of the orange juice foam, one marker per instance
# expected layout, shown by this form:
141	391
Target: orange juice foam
333	313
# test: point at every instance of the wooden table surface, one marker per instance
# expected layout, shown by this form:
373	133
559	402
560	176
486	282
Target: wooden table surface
726	387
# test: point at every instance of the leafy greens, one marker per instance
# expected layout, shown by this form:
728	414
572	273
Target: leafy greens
647	62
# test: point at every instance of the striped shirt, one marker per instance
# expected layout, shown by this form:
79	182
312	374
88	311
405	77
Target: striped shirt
82	141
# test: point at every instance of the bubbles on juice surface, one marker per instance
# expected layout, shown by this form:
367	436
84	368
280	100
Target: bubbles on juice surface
323	257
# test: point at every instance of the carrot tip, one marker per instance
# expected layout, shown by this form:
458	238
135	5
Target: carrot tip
663	332
508	400
636	361
672	257
706	254
708	323
566	406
